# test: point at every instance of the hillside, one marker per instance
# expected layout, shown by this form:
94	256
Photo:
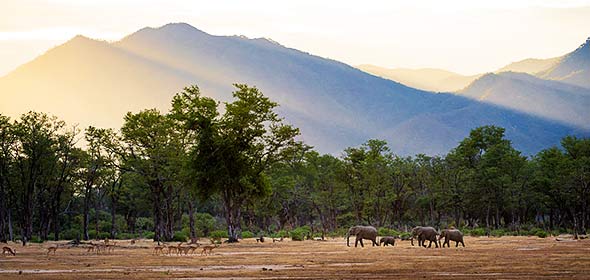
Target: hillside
573	68
336	106
550	99
530	65
429	79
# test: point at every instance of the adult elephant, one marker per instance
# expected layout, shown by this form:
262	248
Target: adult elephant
424	234
362	232
452	235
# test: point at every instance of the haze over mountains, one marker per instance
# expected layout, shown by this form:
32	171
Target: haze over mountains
336	106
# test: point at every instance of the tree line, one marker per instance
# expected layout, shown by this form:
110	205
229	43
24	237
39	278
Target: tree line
196	169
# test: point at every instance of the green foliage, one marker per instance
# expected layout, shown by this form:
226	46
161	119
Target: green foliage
218	234
300	233
387	232
247	234
476	232
70	234
180	236
498	233
126	235
144	224
149	235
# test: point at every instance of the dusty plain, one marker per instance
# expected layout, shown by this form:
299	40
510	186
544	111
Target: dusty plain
482	258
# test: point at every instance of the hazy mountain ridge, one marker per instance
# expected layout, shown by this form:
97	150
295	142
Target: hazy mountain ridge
430	79
573	68
334	104
530	65
544	98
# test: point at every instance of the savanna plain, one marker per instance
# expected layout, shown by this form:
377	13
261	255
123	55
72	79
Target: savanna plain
482	258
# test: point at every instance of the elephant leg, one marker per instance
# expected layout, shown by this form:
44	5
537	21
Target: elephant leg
456	244
375	242
361	240
463	243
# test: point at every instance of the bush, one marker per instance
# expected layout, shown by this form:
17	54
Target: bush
300	233
477	232
247	234
541	233
70	234
218	234
498	233
405	235
35	239
387	232
281	233
143	223
125	235
179	236
149	235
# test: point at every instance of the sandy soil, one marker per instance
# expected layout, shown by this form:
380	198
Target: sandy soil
483	258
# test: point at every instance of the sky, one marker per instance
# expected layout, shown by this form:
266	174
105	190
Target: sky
464	36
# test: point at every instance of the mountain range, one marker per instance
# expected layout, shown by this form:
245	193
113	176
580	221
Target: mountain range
93	82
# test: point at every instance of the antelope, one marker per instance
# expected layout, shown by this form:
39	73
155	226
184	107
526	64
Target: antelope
9	250
158	250
172	248
277	240
208	248
52	248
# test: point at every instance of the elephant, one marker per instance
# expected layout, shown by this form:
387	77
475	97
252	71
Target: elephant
423	234
387	240
452	235
362	232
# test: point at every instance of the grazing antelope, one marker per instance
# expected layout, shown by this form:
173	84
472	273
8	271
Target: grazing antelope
52	248
171	249
9	250
158	250
208	248
277	240
193	248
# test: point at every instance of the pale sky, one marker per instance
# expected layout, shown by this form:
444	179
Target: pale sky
464	36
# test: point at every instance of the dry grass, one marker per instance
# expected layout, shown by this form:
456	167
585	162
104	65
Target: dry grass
483	258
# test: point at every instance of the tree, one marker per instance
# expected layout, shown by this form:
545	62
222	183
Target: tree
153	145
231	153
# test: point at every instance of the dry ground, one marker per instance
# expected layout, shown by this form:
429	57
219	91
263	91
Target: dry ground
483	258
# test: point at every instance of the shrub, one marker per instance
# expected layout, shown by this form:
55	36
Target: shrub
149	235
247	234
498	233
281	233
300	233
405	235
70	234
143	223
125	235
541	233
179	236
35	239
387	232
477	232
218	234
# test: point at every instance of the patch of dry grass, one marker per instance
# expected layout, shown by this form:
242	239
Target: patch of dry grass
490	258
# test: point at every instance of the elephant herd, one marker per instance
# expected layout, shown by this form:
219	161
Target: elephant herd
423	234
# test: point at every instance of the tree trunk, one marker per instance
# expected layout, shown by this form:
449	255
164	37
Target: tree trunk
113	217
191	219
86	215
10	226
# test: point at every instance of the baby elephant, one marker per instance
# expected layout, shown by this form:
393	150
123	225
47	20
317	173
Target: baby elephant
452	235
387	240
